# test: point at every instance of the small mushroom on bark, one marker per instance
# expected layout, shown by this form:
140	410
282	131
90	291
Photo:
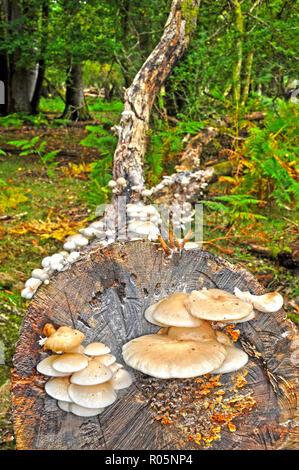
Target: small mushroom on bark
266	303
64	339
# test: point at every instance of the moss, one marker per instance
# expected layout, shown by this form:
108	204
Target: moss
189	14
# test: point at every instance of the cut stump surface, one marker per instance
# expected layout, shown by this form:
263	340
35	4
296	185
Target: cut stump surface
104	295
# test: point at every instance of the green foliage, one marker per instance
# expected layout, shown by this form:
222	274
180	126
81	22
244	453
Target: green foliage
165	145
10	196
12	120
235	207
270	157
101	170
31	147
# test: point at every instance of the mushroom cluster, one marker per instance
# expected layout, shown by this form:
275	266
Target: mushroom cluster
56	262
181	186
187	345
83	380
143	221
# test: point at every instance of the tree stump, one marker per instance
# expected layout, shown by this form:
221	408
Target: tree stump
104	295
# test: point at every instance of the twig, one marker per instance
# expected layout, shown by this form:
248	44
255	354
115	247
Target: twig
11	217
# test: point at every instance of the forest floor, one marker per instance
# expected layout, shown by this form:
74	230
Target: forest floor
40	205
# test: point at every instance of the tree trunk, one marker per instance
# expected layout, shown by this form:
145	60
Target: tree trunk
239	46
36	96
20	80
139	97
104	295
247	79
75	105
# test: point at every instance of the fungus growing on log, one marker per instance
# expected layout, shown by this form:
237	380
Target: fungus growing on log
270	302
83	383
167	354
163	357
64	339
217	305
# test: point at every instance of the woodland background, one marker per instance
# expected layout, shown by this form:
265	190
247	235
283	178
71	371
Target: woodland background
231	102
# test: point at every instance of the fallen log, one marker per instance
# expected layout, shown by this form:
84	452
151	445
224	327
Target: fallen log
104	295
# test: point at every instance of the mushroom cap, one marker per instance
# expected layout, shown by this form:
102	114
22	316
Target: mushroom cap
171	311
223	338
216	305
106	359
27	293
235	359
248	317
163	357
45	367
94	373
64	339
92	396
144	228
201	333
83	411
70	362
57	387
115	366
32	283
148	314
40	274
64	405
121	379
266	303
96	349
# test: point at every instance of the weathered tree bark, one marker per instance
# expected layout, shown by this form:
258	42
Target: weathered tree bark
104	295
75	105
139	97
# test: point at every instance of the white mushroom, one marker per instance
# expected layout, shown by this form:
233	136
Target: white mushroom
45	367
57	387
271	302
94	373
73	256
27	293
64	405
33	284
121	379
92	396
40	274
70	362
96	349
106	359
46	262
121	181
83	411
217	305
171	311
163	357
73	241
235	359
